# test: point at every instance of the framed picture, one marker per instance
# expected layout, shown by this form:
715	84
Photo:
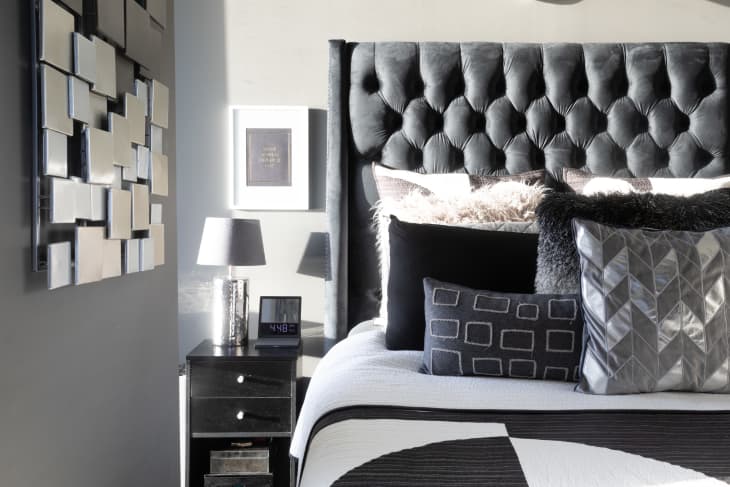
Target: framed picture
270	157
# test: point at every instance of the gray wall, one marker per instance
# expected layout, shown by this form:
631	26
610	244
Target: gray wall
274	52
88	375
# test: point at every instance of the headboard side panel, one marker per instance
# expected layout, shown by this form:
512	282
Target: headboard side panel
337	197
631	110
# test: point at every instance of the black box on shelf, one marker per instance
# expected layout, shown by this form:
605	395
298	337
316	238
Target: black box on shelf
248	480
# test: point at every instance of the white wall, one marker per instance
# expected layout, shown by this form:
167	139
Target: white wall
274	52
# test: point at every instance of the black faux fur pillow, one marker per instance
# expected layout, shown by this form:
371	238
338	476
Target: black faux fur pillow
558	268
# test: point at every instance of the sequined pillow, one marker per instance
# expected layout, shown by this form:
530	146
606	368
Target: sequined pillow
655	309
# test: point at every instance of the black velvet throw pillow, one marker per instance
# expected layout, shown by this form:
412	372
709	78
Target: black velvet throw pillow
523	336
558	269
483	259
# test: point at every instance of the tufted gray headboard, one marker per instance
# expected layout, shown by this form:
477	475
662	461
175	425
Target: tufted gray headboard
487	108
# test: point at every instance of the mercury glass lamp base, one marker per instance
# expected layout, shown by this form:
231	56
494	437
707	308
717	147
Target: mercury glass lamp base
230	312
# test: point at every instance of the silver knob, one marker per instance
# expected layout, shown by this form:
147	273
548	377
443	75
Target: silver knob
240	415
240	379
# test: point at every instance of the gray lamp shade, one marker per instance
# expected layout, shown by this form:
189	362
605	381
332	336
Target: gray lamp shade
231	241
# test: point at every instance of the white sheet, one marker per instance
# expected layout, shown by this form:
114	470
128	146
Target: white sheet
361	371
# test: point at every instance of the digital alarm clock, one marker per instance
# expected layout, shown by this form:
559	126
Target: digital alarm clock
279	321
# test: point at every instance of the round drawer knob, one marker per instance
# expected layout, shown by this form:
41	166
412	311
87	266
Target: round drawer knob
240	379
240	415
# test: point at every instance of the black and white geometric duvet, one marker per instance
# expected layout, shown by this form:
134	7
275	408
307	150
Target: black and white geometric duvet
371	419
411	448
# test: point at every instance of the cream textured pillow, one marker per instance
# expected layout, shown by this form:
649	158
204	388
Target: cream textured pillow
588	184
506	206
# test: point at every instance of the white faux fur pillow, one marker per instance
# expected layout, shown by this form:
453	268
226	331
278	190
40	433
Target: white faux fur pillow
506	206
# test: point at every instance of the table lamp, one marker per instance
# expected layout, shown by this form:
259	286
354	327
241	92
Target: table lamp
231	242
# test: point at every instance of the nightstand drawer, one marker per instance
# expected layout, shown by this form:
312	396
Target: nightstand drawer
240	379
240	415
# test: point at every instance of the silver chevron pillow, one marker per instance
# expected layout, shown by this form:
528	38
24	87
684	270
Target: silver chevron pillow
655	306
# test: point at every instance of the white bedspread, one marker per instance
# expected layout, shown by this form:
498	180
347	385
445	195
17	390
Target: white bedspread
361	371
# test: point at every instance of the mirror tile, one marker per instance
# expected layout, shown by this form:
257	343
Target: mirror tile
106	69
155	213
98	156
158	11
147	254
76	5
79	102
54	101
56	29
157	233
98	109
159	104
88	255
155	139
130	173
83	207
143	162
98	202
112	264
141	91
119	127
131	256
134	110
119	216
140	207
110	20
84	54
158	174
69	201
55	154
59	265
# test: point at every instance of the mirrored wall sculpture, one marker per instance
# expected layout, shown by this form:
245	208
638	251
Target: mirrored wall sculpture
99	121
88	254
59	265
56	29
84	58
54	101
158	174
55	154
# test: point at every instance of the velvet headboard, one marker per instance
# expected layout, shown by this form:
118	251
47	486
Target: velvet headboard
627	110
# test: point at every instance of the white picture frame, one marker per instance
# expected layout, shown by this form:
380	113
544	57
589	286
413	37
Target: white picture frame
270	146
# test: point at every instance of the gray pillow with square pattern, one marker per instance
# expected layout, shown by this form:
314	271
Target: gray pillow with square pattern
526	336
655	309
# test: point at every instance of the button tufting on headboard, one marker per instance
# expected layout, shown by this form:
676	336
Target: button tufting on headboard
489	108
640	97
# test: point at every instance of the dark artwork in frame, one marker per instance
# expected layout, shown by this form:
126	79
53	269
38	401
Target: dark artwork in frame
268	157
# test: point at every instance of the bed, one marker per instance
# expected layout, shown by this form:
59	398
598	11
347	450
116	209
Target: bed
370	416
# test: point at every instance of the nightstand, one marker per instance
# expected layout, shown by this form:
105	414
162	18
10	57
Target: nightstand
236	396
